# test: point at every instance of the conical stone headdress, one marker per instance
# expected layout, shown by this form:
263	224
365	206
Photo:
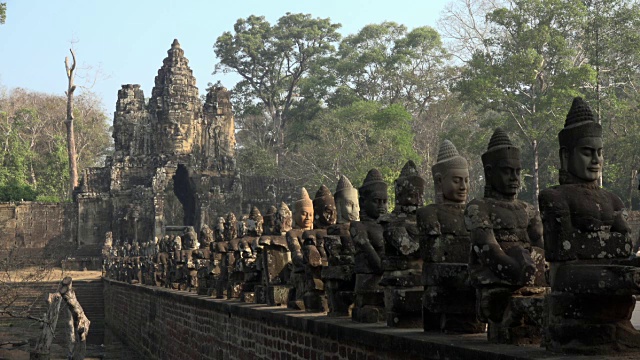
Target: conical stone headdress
448	158
303	201
500	147
372	183
344	186
580	123
322	196
408	183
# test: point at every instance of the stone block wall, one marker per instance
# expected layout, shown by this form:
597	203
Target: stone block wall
167	324
32	225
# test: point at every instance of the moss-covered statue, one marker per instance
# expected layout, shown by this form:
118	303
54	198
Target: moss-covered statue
302	220
587	244
337	276
449	299
506	264
276	258
402	264
368	240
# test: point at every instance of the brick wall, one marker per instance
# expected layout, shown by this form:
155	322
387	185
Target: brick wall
167	324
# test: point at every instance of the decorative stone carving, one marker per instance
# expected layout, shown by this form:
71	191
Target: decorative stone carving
506	265
587	244
250	249
449	300
402	263
276	258
303	220
367	239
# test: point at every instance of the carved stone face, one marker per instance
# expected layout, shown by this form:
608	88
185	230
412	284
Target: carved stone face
585	160
254	227
325	214
348	206
304	218
455	185
504	176
375	204
282	221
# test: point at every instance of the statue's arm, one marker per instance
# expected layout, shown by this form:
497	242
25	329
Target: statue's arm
513	265
535	227
556	221
360	237
293	243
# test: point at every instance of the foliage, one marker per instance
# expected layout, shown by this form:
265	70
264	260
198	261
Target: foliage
32	136
350	140
530	77
3	12
272	60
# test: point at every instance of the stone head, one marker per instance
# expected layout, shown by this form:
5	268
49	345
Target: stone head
282	219
324	208
347	204
410	186
254	222
373	195
303	211
231	218
502	166
269	220
450	175
581	143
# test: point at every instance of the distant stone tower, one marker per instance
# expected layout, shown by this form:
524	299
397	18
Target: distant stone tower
174	162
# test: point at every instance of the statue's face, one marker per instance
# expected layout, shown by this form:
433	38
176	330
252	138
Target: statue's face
375	204
283	220
325	213
455	185
348	206
304	218
585	159
504	177
410	193
254	227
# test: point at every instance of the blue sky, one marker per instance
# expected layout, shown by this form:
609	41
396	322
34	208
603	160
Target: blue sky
127	40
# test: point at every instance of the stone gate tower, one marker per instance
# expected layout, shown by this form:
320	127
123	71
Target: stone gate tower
174	162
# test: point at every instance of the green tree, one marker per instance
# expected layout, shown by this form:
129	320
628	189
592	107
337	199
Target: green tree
272	60
531	76
32	139
350	140
3	12
387	63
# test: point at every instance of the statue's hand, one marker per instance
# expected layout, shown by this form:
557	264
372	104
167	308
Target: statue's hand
525	268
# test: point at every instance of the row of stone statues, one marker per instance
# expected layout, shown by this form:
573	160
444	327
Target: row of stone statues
565	279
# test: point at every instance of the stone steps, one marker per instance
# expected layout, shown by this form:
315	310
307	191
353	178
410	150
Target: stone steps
90	296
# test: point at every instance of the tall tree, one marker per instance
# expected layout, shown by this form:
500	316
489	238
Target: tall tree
387	63
71	139
534	71
272	61
3	12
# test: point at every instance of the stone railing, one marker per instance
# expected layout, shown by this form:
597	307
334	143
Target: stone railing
161	323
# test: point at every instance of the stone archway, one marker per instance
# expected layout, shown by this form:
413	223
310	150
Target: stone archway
185	192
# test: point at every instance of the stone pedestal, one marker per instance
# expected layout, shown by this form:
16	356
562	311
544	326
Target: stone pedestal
449	303
369	304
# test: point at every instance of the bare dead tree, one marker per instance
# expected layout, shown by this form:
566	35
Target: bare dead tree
78	323
71	140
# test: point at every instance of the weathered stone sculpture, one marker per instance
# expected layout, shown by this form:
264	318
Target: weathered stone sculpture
249	252
506	265
218	230
269	221
338	276
402	263
313	250
449	300
207	237
368	240
303	220
276	258
231	227
587	243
